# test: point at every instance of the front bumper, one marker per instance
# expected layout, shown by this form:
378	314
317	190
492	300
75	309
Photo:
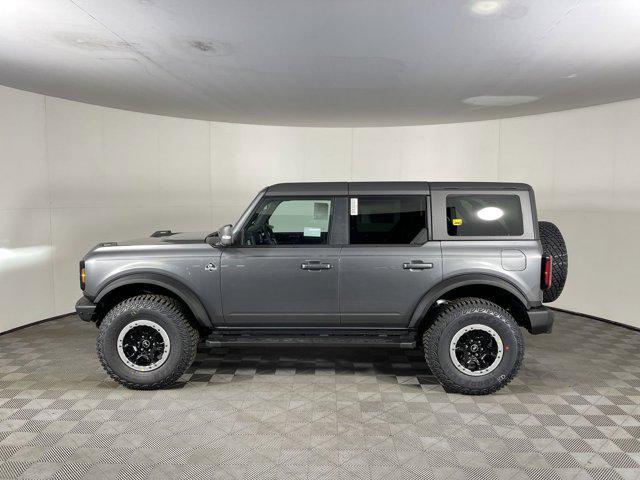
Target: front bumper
540	320
85	309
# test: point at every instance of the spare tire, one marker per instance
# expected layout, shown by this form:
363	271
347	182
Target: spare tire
553	244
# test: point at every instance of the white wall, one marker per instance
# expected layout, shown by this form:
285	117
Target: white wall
73	174
585	167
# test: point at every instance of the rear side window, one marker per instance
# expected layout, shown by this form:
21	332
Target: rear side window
482	215
387	220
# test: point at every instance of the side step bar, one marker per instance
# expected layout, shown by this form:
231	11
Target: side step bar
248	340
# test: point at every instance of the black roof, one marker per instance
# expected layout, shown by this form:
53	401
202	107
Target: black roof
384	188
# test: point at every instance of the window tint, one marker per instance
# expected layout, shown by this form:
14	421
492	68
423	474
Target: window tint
289	222
387	220
484	216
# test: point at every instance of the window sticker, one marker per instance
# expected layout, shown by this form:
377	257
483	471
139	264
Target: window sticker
456	222
312	232
354	206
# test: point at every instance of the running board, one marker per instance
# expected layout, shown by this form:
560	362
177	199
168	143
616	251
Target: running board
249	340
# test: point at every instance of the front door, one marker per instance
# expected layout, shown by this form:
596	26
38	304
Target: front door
389	263
283	271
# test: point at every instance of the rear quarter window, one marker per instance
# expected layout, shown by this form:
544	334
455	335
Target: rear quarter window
484	215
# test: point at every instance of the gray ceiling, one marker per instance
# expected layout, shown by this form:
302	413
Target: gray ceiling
325	62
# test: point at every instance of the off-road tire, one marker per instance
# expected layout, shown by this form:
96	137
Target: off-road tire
452	317
553	244
166	312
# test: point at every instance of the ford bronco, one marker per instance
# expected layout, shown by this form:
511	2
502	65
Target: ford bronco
457	269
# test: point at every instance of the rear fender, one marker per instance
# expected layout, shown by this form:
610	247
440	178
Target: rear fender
440	290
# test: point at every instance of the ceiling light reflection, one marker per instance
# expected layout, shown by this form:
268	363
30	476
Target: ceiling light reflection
499	100
486	7
490	213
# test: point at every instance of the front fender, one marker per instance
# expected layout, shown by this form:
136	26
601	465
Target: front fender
175	286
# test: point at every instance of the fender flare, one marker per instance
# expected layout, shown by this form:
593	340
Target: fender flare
178	288
436	292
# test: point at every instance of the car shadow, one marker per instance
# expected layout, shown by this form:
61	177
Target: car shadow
233	364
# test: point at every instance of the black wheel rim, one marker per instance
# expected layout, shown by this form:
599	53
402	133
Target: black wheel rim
143	345
476	350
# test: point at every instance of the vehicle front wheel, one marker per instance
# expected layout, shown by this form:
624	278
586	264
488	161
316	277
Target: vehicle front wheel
473	346
146	342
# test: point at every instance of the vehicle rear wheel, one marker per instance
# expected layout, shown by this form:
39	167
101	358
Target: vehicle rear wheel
473	346
553	244
146	342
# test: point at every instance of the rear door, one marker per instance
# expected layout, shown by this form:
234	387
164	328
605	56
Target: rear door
389	262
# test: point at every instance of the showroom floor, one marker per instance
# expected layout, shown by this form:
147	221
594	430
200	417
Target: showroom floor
572	413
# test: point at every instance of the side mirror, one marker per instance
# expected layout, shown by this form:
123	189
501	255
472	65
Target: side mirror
226	235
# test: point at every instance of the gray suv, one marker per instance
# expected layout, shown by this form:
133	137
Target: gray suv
453	268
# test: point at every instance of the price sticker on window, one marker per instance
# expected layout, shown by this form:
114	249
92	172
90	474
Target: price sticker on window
354	206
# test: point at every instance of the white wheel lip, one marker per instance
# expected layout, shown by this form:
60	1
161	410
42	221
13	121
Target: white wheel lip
156	327
469	328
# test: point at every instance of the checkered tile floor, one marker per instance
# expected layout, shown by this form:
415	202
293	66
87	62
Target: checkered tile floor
572	413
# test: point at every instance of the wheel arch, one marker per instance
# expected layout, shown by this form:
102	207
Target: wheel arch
131	284
489	287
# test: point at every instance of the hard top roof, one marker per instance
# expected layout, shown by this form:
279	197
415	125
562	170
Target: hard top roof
383	188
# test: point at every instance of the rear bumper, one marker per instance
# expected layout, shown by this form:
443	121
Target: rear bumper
540	320
85	309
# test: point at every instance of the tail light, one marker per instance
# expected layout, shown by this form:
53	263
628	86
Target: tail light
547	272
83	275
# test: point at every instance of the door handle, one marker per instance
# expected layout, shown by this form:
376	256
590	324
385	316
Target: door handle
315	265
417	265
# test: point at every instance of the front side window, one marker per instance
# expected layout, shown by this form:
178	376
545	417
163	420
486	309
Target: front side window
289	222
480	215
387	220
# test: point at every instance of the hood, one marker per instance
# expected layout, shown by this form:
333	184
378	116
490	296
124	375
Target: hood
171	238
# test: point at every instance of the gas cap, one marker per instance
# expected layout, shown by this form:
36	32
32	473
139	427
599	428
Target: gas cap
513	260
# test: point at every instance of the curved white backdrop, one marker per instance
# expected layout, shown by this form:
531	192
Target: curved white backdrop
73	174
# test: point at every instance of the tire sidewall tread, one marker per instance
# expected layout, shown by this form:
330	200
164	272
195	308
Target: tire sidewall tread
167	313
553	244
453	317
